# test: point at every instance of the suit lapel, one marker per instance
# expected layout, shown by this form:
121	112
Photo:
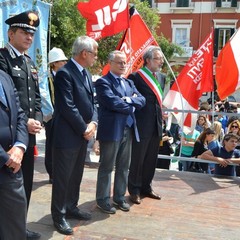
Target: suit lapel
18	59
116	85
7	93
78	75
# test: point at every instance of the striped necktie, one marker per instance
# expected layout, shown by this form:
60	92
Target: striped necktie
129	118
85	76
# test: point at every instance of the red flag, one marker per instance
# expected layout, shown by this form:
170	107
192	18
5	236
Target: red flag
133	46
228	67
195	79
105	18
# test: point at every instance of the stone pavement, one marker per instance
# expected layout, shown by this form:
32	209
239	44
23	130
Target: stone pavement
193	206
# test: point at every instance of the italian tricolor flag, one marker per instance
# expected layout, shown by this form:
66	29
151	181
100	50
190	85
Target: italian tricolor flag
228	67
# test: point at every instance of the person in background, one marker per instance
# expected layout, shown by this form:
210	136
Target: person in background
56	59
201	124
15	62
224	155
218	137
187	141
234	127
200	146
165	148
149	123
13	143
117	98
74	124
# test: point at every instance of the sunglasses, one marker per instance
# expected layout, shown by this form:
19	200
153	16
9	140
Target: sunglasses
234	126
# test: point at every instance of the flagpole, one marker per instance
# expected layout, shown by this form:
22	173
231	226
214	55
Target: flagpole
130	38
181	97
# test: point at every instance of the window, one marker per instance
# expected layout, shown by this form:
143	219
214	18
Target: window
222	35
181	38
226	3
182	3
224	29
181	32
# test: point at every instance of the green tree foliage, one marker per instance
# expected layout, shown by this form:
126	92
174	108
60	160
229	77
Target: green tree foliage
67	24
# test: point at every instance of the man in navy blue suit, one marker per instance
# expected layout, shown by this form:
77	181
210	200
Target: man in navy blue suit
74	123
117	98
13	143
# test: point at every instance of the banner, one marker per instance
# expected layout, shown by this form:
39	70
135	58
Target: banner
38	50
104	18
195	79
135	41
228	67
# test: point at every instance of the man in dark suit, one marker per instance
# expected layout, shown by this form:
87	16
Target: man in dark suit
21	68
150	83
74	123
13	143
117	98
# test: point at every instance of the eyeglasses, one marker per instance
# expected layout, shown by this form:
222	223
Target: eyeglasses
234	126
120	63
158	59
93	53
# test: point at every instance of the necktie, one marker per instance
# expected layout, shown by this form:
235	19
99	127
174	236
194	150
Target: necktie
85	76
2	95
129	118
154	74
120	80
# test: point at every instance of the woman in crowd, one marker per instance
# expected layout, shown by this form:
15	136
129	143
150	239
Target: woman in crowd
201	124
200	146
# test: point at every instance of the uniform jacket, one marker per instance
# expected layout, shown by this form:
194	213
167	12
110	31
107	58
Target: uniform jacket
74	106
25	79
149	118
113	111
13	126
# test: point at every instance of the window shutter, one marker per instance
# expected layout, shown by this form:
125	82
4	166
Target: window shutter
218	3
234	3
182	3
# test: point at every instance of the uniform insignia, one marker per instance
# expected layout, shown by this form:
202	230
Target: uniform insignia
33	70
17	68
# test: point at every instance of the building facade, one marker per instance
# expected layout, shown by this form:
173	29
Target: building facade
188	22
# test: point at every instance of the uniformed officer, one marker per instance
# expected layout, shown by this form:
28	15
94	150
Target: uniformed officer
21	68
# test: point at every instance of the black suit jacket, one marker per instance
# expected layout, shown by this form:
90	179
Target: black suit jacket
25	79
74	106
13	126
149	118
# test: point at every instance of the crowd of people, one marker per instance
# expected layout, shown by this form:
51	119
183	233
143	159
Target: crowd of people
127	122
211	132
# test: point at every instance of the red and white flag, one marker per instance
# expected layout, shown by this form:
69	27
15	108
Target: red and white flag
228	67
195	79
134	42
104	18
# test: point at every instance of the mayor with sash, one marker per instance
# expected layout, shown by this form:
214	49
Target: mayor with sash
150	83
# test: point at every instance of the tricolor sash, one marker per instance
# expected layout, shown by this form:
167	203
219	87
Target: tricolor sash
152	82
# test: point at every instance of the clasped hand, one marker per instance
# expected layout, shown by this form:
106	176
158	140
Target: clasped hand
90	131
34	126
15	158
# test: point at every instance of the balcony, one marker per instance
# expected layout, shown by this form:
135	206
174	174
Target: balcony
187	52
186	7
